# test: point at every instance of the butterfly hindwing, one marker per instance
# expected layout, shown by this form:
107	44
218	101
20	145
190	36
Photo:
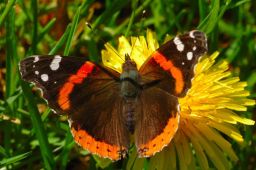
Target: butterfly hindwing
97	123
177	58
88	93
157	121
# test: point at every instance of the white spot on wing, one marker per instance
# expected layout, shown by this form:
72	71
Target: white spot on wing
36	59
179	44
177	41
191	34
36	72
44	77
182	63
55	64
180	47
194	48
189	55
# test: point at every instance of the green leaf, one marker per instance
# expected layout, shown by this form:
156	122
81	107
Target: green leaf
208	24
69	143
102	162
116	6
61	42
7	9
14	159
41	135
72	32
46	29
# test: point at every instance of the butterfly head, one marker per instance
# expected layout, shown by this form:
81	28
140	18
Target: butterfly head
129	64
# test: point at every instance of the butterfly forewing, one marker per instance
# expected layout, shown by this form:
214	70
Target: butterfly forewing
88	93
50	73
177	58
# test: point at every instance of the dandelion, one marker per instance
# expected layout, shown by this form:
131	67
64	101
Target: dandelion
207	111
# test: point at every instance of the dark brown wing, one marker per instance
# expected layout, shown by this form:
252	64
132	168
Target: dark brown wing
174	62
96	121
56	76
89	94
156	122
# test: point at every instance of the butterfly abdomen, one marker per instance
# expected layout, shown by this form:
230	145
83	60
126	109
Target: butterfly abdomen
129	109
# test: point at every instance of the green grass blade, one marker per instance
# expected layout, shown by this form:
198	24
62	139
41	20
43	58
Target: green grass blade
239	3
61	42
14	159
202	9
102	162
72	32
40	132
85	6
2	151
93	53
8	7
35	26
126	21
11	76
134	6
208	24
69	143
251	80
22	3
116	6
11	57
46	29
45	114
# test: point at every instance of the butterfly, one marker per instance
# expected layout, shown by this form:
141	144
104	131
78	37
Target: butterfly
106	107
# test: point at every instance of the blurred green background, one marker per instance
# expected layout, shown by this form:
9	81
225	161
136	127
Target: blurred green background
32	137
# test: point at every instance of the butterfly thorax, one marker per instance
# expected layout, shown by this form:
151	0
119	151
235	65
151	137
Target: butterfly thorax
129	79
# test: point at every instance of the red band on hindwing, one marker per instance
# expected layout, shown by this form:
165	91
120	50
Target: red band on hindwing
162	140
81	74
176	73
101	148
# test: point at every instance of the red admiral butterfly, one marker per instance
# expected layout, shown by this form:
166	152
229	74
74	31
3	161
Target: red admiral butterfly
104	107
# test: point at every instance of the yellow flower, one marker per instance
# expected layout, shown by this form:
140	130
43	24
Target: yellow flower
207	111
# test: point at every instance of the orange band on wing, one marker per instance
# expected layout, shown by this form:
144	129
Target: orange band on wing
102	149
168	66
67	88
162	140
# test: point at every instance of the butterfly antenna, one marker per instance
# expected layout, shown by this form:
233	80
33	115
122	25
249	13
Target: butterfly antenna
140	28
143	17
104	42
